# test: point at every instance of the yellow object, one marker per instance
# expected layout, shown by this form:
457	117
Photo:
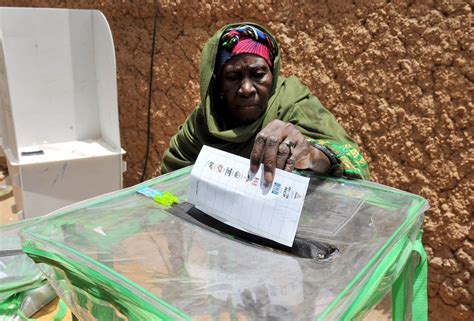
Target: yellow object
166	199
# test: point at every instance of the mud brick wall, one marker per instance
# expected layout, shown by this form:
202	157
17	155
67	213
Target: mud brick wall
397	74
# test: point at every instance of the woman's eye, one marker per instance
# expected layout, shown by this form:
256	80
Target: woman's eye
231	76
259	75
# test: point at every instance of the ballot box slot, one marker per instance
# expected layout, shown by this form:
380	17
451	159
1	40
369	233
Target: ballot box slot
302	247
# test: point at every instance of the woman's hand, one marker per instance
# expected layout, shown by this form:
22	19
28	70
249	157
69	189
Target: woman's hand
281	145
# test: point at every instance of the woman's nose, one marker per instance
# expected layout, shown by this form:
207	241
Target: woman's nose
247	88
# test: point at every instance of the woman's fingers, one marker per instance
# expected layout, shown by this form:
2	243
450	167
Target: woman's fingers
270	157
279	145
290	164
257	152
274	128
284	152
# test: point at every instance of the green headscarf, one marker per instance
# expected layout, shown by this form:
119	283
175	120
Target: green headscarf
290	101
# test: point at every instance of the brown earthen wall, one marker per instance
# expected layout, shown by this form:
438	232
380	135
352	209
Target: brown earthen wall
397	74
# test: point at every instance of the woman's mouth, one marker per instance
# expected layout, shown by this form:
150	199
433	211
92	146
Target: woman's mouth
247	106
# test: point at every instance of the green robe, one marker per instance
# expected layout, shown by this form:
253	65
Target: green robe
290	101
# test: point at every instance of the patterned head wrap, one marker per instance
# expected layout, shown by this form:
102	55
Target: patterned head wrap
245	39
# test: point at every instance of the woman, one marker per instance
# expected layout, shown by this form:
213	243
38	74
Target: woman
249	110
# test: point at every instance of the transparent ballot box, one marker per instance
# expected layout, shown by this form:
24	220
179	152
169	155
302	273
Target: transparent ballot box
122	256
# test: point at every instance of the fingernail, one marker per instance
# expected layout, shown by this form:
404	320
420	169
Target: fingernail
268	177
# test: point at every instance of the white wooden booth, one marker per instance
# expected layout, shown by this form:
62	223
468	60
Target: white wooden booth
58	107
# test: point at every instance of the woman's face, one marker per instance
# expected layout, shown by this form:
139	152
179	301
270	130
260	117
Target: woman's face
245	86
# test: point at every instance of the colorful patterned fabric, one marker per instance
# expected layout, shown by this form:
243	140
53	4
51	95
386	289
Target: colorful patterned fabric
245	39
352	164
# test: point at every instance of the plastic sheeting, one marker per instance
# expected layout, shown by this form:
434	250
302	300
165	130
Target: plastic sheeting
17	271
23	287
123	257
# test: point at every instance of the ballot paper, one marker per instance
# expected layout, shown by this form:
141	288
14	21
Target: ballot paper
222	186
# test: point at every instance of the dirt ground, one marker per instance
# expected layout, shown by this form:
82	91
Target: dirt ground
397	74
